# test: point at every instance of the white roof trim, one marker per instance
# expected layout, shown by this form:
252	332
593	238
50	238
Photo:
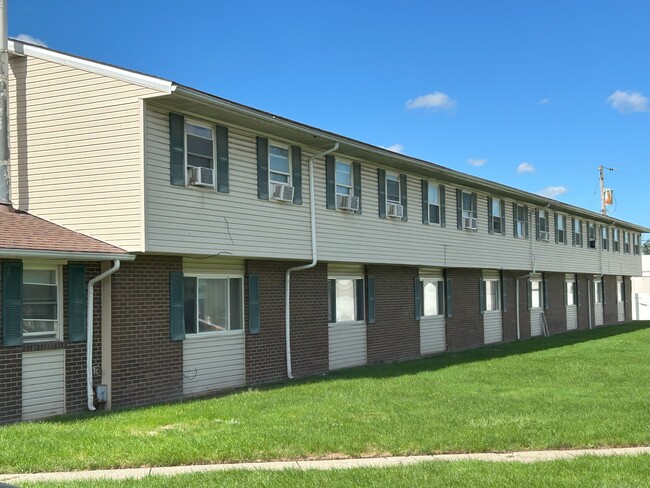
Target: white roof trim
22	49
69	255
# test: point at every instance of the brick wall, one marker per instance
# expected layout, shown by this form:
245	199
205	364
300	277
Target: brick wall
629	298
11	384
147	365
509	317
556	311
465	326
524	312
584	291
610	307
395	335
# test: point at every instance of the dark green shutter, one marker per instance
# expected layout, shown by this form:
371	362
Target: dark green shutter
356	170
459	208
253	304
12	303
77	302
296	174
331	295
262	168
176	311
602	289
443	207
573	231
529	286
371	299
359	295
177	149
577	291
503	217
514	219
582	237
526	220
537	225
448	294
557	236
403	192
504	294
490	216
481	295
545	281
330	182
440	287
417	298
381	191
566	300
223	177
425	202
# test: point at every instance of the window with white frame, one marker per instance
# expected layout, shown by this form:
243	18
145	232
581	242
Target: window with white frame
492	295
520	221
561	229
616	245
604	235
279	164
536	293
577	232
432	297
346	299
542	222
626	242
41	303
213	304
598	291
434	203
199	153
591	235
571	292
620	290
393	191
344	178
468	207
497	219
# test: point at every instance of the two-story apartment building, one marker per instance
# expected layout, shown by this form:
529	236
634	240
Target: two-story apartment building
219	203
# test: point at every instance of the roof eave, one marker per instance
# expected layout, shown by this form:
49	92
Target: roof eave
67	255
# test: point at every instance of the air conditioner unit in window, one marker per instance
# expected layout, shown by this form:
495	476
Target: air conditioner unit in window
395	210
470	223
200	176
543	236
347	202
283	193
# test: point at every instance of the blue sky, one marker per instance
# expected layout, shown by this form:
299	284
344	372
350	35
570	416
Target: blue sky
531	94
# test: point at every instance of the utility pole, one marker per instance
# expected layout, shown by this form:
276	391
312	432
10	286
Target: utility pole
5	174
604	192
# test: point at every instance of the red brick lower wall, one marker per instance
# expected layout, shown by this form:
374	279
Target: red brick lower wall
465	326
556	310
584	294
509	317
147	365
610	307
395	335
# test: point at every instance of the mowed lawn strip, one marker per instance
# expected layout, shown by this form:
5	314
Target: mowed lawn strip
586	389
615	472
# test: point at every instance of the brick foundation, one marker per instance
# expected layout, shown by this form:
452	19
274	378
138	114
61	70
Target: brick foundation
465	326
556	310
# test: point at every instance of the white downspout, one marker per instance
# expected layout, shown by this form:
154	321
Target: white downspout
314	258
89	342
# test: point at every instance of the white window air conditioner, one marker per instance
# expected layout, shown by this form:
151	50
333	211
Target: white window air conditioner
470	223
347	202
543	236
282	193
395	210
200	176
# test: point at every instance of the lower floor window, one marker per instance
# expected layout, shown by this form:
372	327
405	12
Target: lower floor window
598	291
41	303
620	291
432	297
213	304
536	294
571	292
346	299
492	295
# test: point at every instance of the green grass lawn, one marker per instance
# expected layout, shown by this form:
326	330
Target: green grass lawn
615	472
584	389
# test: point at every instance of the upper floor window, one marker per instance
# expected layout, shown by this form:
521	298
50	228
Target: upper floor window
560	231
636	238
393	193
431	297
213	304
577	232
467	210
41	303
279	164
346	299
604	234
520	220
199	153
591	235
343	178
626	242
542	225
496	216
434	203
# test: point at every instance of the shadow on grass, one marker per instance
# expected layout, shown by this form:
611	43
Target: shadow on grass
410	367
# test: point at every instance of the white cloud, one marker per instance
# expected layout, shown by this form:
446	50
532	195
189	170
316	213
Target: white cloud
476	162
433	101
525	168
628	102
553	191
398	148
544	101
30	39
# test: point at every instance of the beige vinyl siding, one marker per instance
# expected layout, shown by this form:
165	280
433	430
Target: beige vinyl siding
536	327
620	310
191	220
213	265
598	314
213	362
43	384
81	132
571	317
347	345
492	327
432	335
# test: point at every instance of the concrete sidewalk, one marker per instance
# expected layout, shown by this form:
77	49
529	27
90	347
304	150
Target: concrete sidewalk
520	456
